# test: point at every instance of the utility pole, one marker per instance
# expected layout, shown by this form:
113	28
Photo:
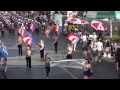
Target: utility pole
110	27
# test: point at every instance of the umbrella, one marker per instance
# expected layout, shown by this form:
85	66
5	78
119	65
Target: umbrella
111	15
72	20
98	26
65	24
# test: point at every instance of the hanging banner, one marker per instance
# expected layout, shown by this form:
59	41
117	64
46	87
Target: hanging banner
58	20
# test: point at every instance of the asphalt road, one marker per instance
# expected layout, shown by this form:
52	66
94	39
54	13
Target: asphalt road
17	64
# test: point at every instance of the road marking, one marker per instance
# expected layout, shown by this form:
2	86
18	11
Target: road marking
16	45
69	73
36	45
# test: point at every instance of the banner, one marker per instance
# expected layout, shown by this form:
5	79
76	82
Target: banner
58	20
71	63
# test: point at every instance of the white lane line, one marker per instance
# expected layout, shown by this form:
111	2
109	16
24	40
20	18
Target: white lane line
16	45
69	73
36	45
74	77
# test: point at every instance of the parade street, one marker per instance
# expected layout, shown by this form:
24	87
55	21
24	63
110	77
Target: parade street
17	64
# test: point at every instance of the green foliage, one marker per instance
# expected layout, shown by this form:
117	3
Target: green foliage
63	12
104	37
113	38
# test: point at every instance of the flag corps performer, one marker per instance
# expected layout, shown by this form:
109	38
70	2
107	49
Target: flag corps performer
47	33
55	43
28	57
3	68
41	44
20	46
69	52
47	60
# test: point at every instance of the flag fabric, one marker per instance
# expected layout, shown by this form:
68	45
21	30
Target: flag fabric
27	39
0	50
73	38
27	33
21	31
32	28
78	37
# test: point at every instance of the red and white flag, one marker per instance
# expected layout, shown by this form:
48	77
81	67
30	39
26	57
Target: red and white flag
32	27
27	39
21	31
72	37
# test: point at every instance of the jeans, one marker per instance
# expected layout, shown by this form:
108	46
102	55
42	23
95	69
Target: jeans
119	74
2	73
84	44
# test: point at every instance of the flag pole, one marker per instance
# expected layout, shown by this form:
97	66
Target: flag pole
110	27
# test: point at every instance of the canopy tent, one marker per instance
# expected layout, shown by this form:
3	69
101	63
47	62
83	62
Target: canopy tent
112	15
103	14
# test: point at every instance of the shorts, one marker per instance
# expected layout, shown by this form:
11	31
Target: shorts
99	53
107	49
95	58
88	75
19	45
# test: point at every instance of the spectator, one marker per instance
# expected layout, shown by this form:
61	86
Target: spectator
118	62
99	46
87	70
3	68
47	60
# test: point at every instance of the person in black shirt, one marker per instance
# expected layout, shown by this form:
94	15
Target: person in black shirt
41	44
107	46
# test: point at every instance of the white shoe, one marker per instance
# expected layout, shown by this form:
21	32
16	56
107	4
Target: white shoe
99	60
5	70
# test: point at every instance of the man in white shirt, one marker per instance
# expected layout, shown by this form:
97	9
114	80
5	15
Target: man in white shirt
99	46
94	36
90	39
